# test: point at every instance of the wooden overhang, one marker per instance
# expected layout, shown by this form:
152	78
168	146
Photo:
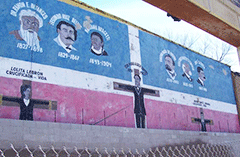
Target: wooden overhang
201	18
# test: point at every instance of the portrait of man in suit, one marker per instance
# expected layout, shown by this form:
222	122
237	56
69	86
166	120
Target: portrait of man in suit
97	44
67	35
170	66
30	22
187	73
201	76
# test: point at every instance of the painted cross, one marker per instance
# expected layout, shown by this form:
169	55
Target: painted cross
139	92
26	110
202	121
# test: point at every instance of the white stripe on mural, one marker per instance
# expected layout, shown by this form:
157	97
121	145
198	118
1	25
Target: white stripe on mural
134	45
12	68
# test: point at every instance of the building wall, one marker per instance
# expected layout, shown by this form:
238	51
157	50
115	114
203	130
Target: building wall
85	86
59	135
75	106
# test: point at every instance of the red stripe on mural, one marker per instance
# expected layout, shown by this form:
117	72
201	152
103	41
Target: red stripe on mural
82	106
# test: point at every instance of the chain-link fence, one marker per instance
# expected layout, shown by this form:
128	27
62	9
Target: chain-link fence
226	149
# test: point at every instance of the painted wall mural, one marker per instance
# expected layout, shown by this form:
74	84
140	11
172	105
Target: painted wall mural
236	2
42	33
61	63
179	69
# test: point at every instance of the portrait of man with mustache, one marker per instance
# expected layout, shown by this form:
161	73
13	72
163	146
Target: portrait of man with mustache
201	76
67	35
30	22
170	66
187	73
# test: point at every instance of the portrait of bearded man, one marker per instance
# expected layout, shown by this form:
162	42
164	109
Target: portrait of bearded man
30	22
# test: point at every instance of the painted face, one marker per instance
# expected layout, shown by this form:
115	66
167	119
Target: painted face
30	23
66	34
27	93
202	75
187	69
96	42
169	63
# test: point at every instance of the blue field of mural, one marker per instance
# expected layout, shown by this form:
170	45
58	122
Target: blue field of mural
173	67
95	44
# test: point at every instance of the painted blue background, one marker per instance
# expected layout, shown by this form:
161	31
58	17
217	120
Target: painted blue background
117	47
219	86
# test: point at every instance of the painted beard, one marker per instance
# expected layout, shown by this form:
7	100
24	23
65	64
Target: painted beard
30	38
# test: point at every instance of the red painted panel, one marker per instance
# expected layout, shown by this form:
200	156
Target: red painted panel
89	107
162	115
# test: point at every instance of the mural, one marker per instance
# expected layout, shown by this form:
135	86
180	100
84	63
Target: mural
179	69
61	63
236	2
74	38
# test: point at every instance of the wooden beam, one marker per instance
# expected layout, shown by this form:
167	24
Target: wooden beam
201	18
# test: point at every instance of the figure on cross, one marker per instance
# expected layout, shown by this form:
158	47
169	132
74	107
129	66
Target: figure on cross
26	103
202	121
139	107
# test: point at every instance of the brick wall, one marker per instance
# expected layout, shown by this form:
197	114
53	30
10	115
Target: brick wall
49	134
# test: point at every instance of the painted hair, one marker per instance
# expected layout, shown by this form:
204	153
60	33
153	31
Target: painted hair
23	88
67	24
97	34
168	55
31	13
199	69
